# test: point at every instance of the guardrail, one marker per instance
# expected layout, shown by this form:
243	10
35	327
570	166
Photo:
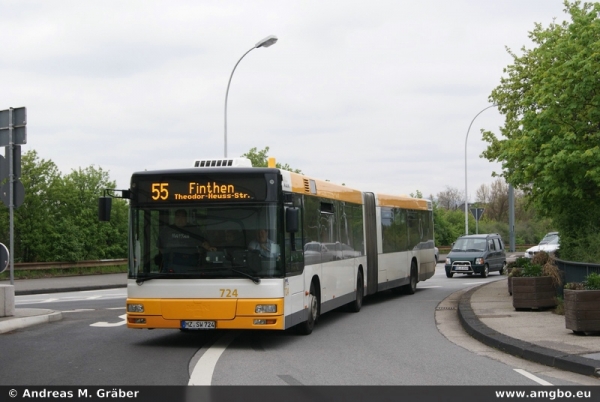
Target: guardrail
575	271
33	266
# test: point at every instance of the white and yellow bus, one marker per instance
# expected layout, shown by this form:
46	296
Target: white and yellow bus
193	263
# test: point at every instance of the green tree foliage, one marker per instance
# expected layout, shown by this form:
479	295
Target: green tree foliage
58	220
79	210
445	222
261	159
35	219
417	194
551	99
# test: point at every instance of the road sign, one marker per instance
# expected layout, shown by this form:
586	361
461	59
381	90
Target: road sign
19	117
19	193
12	192
477	212
17	123
3	168
3	257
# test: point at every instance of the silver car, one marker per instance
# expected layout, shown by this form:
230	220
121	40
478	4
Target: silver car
550	243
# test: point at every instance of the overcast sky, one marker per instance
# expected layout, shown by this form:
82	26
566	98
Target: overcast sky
378	95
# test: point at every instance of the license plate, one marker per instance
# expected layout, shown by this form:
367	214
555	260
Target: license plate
461	268
198	324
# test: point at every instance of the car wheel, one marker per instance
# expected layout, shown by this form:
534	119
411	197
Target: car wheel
486	271
449	274
503	269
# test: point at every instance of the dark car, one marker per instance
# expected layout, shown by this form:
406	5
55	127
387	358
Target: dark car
476	254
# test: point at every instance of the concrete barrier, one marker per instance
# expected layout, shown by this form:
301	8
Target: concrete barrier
7	300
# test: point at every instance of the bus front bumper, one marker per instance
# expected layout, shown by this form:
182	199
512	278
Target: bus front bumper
206	313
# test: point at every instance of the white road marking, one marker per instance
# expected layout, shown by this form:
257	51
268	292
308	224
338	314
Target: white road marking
532	377
104	324
205	366
79	310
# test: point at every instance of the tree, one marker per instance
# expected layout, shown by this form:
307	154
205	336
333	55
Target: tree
550	97
35	220
83	236
261	159
494	199
58	220
450	198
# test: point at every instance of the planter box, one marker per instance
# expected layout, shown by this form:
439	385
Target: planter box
582	310
533	293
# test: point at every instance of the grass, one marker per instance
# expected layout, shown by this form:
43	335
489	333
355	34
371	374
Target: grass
54	272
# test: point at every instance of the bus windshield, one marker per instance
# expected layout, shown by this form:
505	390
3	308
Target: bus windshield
223	241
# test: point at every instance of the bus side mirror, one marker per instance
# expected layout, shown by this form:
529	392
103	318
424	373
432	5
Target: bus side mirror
291	220
291	225
104	207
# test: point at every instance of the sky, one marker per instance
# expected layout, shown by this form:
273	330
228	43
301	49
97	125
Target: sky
378	95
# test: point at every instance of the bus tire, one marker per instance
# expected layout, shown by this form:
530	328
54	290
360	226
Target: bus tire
356	305
411	288
306	328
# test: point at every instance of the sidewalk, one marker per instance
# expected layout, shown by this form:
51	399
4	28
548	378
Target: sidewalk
485	312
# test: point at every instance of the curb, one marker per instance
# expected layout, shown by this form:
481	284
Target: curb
525	350
24	322
64	290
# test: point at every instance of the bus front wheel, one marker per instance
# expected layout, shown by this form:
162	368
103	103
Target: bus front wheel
306	328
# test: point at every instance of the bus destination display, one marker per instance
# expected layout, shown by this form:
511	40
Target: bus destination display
196	191
181	189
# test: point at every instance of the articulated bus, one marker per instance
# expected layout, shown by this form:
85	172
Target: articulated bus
194	262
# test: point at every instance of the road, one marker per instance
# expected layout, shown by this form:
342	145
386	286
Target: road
393	340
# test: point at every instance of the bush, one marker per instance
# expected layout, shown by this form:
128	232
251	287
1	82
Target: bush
592	282
542	264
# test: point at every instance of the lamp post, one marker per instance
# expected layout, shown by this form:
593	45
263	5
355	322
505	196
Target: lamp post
266	42
466	193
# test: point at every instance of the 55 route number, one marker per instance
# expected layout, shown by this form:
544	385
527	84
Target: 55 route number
160	191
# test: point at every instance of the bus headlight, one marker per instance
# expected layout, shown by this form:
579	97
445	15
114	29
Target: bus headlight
135	308
265	308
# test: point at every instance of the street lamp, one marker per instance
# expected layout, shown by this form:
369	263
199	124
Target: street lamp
466	196
266	42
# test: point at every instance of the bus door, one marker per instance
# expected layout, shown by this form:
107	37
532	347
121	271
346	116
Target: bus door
371	242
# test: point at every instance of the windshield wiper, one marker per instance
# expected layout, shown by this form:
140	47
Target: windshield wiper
254	279
140	280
